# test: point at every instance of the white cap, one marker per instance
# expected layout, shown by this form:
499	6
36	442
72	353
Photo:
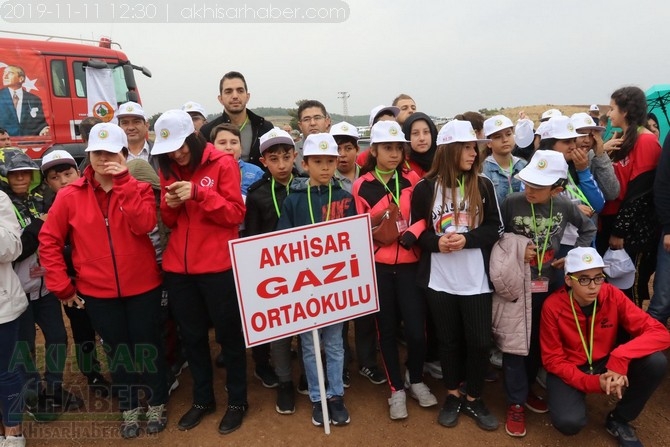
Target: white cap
107	137
379	109
559	127
171	128
550	114
55	158
194	107
130	109
456	131
582	258
544	169
344	129
584	121
386	132
320	144
496	123
594	108
541	128
620	269
275	136
524	133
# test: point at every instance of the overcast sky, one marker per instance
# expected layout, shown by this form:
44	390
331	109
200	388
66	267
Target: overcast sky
451	56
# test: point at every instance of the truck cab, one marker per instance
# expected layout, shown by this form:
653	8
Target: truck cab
44	95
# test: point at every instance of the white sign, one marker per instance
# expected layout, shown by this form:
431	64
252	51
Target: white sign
304	278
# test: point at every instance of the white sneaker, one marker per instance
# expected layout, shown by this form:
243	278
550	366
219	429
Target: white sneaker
495	357
398	405
13	441
420	392
434	369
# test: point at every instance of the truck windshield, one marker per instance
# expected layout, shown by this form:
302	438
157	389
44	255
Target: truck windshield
120	88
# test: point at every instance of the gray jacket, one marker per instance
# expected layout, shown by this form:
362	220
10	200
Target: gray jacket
13	299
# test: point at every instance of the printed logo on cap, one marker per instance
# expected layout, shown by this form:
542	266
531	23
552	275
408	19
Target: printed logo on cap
393	131
472	132
542	164
587	258
189	106
323	145
273	134
129	108
344	127
56	156
164	133
498	123
588	120
571	128
103	134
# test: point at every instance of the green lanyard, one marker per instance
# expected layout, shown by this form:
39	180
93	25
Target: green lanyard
22	222
577	192
244	123
511	173
274	197
396	197
309	201
587	350
540	256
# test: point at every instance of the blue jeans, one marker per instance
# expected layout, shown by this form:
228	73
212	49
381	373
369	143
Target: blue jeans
659	306
331	341
47	312
11	402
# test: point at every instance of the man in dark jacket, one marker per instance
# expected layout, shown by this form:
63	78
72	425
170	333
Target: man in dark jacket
234	96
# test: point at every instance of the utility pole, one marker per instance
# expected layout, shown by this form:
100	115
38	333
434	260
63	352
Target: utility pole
345	108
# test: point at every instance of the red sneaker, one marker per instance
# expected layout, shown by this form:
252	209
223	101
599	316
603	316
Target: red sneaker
516	421
536	404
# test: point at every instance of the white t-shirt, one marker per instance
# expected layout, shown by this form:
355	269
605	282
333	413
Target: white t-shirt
461	272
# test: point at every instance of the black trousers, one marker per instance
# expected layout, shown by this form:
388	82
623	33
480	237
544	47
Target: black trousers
194	300
567	406
463	325
83	335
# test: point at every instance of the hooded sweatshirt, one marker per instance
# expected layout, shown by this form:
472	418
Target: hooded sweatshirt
27	209
421	162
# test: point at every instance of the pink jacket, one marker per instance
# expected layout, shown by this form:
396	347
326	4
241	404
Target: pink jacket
510	276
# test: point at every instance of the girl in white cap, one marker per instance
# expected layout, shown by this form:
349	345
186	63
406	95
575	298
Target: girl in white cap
201	203
463	222
383	183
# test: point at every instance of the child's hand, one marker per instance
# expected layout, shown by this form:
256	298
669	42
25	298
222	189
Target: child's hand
616	243
455	241
443	244
558	263
613	145
180	190
580	158
587	210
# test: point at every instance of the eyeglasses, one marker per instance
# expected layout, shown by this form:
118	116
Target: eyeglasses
585	280
308	119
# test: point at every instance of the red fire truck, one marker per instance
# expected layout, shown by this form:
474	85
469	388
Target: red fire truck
44	96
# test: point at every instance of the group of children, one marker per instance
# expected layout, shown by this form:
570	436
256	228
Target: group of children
485	250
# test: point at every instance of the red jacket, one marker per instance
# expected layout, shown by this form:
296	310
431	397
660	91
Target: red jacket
362	191
202	227
562	349
113	257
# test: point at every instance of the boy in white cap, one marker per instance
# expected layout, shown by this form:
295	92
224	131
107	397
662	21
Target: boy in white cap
580	324
320	198
501	166
197	113
540	214
346	136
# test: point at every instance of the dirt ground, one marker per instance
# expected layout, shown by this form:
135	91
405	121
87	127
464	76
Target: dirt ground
370	424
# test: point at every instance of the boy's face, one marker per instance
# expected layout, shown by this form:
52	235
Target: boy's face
320	168
540	194
229	143
19	181
279	164
585	295
502	142
56	180
346	162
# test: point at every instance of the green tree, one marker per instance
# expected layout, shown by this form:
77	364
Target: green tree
293	113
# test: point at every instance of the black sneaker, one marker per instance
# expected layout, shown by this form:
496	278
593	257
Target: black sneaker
303	388
478	411
232	420
624	433
98	385
346	378
267	376
317	414
285	398
130	427
338	412
39	408
448	416
373	375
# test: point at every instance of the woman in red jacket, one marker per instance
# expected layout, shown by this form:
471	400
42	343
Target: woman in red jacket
105	217
385	182
202	204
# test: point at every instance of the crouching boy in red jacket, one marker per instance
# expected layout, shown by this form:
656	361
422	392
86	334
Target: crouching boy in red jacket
578	340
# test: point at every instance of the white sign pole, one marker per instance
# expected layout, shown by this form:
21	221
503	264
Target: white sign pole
322	384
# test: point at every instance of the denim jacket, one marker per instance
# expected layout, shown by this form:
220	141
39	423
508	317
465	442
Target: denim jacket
503	182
